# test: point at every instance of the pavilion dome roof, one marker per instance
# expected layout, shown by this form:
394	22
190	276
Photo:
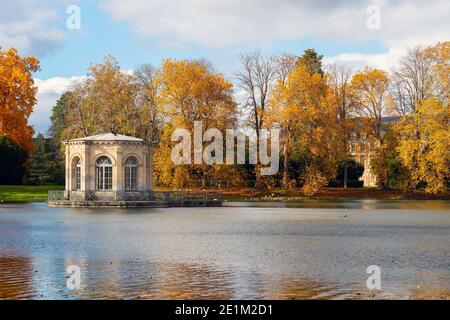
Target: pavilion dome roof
108	137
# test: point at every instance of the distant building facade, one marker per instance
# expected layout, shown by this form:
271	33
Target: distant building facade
106	167
362	150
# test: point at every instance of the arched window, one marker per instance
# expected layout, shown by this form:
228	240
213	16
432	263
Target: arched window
78	174
103	173
131	173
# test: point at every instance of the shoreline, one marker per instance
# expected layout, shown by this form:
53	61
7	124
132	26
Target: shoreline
20	194
338	194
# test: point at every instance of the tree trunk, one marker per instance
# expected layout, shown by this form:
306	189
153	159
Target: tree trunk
258	182
345	175
285	181
384	182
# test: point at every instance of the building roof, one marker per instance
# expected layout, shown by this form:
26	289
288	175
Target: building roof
108	137
390	119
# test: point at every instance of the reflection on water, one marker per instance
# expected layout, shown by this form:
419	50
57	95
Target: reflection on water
224	253
148	280
369	204
16	278
139	280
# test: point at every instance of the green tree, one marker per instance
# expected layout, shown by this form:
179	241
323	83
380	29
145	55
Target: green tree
387	159
58	117
13	160
45	166
312	61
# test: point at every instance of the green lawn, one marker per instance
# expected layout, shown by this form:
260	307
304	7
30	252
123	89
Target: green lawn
26	193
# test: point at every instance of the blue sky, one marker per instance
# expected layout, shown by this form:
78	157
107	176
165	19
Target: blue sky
147	31
100	35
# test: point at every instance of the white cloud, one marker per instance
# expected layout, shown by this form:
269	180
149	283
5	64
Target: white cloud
224	23
386	61
48	93
30	26
238	25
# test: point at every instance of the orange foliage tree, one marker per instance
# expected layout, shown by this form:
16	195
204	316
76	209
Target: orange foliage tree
192	91
17	97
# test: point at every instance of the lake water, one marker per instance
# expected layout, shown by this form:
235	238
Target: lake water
305	250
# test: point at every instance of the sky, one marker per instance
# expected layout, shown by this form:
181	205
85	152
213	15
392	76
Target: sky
352	32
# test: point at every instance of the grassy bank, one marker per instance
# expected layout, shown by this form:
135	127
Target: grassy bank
26	193
39	193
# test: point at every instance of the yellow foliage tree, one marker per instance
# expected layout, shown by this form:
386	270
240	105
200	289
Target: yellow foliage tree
305	108
104	102
17	97
440	53
425	143
369	93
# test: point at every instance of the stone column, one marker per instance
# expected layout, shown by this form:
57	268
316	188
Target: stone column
150	167
143	182
118	184
85	167
67	171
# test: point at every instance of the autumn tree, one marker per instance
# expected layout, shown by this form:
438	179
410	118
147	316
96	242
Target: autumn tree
256	80
305	109
425	143
339	78
440	54
149	86
17	97
398	175
107	101
421	74
412	80
369	89
191	91
285	65
423	130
